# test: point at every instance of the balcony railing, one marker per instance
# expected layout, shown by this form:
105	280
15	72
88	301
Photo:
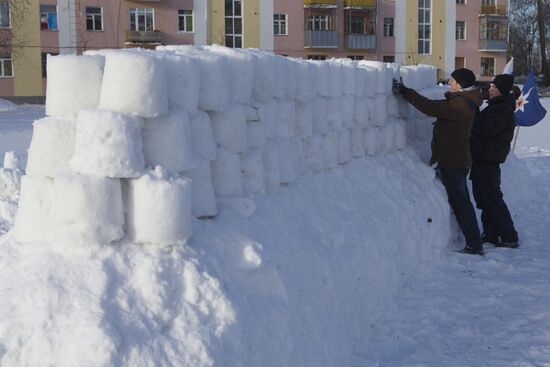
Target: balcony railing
321	39
360	4
361	41
499	45
143	36
493	10
328	4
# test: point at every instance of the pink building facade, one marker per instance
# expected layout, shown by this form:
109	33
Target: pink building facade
481	36
320	29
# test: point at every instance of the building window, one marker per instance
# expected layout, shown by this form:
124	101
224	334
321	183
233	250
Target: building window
4	14
233	23
461	2
357	25
185	20
44	59
280	24
459	62
316	57
356	57
487	66
460	30
388	58
6	66
94	18
320	23
142	19
48	17
490	30
388	27
424	26
488	2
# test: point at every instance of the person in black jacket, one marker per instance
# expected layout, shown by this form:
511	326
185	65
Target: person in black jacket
490	139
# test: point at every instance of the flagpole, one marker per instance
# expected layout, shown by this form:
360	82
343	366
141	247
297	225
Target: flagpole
516	134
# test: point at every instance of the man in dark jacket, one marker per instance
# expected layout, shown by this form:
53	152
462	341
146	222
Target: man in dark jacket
490	141
450	146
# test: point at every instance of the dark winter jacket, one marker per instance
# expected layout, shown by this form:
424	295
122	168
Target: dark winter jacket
451	131
493	131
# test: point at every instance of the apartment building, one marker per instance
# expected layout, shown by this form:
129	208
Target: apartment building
482	36
445	33
321	29
452	34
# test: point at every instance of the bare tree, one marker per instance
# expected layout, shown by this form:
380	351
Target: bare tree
523	35
15	11
542	41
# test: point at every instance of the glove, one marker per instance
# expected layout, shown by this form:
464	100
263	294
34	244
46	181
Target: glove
399	88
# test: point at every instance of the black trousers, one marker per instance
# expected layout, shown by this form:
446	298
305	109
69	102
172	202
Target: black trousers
454	180
495	216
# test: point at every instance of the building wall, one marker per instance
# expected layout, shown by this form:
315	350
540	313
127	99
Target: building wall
26	60
442	41
386	45
469	48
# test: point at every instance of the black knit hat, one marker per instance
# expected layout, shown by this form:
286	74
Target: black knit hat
464	77
504	83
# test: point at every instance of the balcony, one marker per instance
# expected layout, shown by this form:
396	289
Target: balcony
360	4
361	41
493	45
493	10
321	39
143	37
320	4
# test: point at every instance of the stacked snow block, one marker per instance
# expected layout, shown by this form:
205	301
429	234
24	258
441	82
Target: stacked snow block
138	142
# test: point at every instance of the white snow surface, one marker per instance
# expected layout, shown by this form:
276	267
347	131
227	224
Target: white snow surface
349	267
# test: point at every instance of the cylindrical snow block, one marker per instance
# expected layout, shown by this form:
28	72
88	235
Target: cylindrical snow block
335	78
159	209
292	75
33	219
360	82
285	119
255	134
306	88
287	160
400	134
357	141
203	197
227	176
388	137
134	84
272	168
322	79
330	150
74	83
371	80
202	137
87	210
335	115
372	140
348	77
348	110
264	81
281	78
344	146
320	119
392	105
381	71
241	67
361	112
268	116
214	85
52	146
230	129
167	142
379	117
304	118
253	171
314	153
183	82
108	144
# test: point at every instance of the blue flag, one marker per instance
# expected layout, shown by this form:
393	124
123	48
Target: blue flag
529	111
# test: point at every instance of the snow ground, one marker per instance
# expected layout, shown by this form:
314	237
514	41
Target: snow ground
464	310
